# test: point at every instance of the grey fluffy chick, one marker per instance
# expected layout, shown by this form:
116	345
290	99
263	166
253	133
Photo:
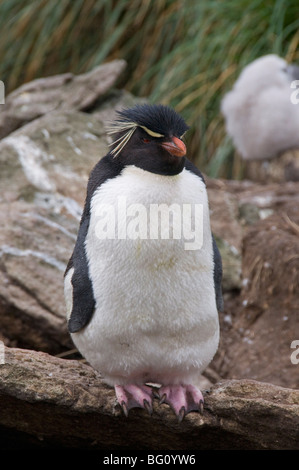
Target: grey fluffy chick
260	116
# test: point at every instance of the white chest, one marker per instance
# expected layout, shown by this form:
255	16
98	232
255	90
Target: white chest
149	250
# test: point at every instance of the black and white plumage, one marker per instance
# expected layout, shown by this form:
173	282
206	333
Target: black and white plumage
259	114
144	309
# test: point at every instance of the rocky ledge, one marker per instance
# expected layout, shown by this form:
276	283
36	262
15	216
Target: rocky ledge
49	402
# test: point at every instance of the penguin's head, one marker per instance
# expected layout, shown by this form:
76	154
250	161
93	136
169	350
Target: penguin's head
149	137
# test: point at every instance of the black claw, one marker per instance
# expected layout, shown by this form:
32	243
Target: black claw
125	409
201	407
163	398
181	414
148	407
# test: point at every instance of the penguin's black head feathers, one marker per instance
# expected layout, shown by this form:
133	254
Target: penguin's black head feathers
159	120
149	136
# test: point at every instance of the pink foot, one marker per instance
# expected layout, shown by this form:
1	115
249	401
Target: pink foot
134	396
182	399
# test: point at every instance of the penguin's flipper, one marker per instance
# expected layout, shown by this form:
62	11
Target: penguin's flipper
217	275
83	303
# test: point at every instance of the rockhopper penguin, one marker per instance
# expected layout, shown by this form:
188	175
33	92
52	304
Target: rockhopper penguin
143	285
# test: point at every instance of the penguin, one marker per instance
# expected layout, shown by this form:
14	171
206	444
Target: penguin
261	111
143	284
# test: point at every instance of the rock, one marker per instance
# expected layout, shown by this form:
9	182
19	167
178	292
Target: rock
44	182
268	320
59	92
284	167
259	325
51	155
237	205
228	232
49	402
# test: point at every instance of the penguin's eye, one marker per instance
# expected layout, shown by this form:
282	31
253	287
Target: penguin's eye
146	141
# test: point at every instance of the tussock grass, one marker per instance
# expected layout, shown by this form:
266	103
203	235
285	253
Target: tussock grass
183	53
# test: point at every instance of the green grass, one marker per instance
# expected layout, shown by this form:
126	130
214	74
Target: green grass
186	54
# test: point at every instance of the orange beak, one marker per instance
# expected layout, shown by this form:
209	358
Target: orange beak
175	147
